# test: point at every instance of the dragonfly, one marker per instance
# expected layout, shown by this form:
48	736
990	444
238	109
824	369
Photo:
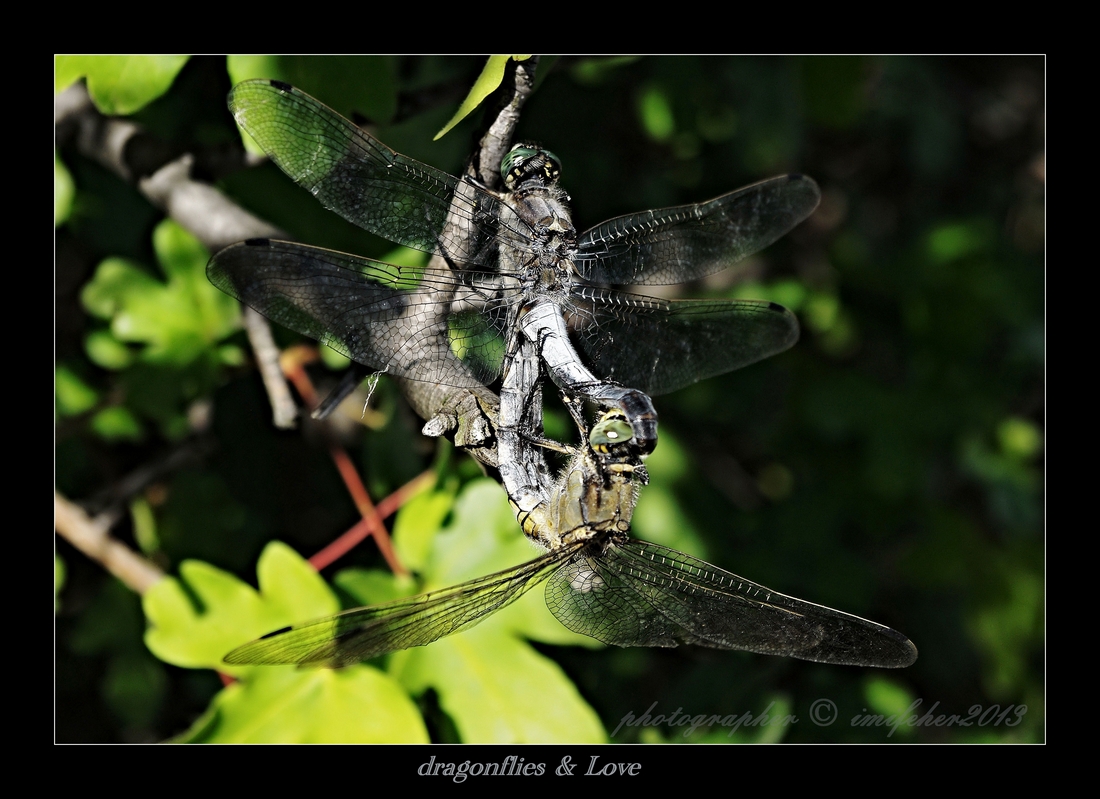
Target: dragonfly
599	582
513	267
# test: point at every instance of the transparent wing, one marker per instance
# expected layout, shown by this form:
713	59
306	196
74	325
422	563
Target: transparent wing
657	346
641	594
365	633
433	325
363	180
674	245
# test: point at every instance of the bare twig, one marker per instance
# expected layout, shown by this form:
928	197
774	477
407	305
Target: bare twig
284	411
386	507
92	537
114	498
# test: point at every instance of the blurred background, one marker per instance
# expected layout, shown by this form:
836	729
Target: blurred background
890	465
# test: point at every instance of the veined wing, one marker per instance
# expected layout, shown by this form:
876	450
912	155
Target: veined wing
674	245
363	180
657	346
641	594
433	325
365	633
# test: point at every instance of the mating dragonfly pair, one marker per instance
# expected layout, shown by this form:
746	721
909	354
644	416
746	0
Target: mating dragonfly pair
517	286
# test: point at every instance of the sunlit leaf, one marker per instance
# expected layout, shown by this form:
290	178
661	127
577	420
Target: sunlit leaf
58	581
177	320
656	114
204	614
117	424
63	191
417	524
199	617
487	83
119	84
498	689
72	394
282	705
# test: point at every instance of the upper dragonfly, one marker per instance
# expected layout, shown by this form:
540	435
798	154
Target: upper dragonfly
514	265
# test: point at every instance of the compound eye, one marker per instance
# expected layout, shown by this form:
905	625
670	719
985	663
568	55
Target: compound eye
525	161
610	432
552	168
514	166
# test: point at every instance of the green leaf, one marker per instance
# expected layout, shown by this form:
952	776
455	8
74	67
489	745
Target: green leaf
659	517
117	424
107	351
373	586
1019	438
594	71
201	616
498	689
63	191
519	695
119	84
483	538
952	241
417	524
178	321
58	581
197	619
73	395
655	110
283	705
486	83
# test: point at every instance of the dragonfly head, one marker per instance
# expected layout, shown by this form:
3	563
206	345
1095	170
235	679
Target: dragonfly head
526	162
612	440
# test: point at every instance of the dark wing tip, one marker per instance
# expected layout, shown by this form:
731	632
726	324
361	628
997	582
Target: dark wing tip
282	86
273	633
257	242
775	306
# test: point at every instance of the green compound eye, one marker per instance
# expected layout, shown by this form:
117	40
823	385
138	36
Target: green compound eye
525	161
608	433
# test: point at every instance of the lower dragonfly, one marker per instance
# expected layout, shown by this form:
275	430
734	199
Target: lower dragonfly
600	582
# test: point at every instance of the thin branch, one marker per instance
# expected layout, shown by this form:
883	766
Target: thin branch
349	540
283	410
115	497
92	537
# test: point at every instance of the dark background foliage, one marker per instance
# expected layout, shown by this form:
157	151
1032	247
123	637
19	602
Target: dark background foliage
890	465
